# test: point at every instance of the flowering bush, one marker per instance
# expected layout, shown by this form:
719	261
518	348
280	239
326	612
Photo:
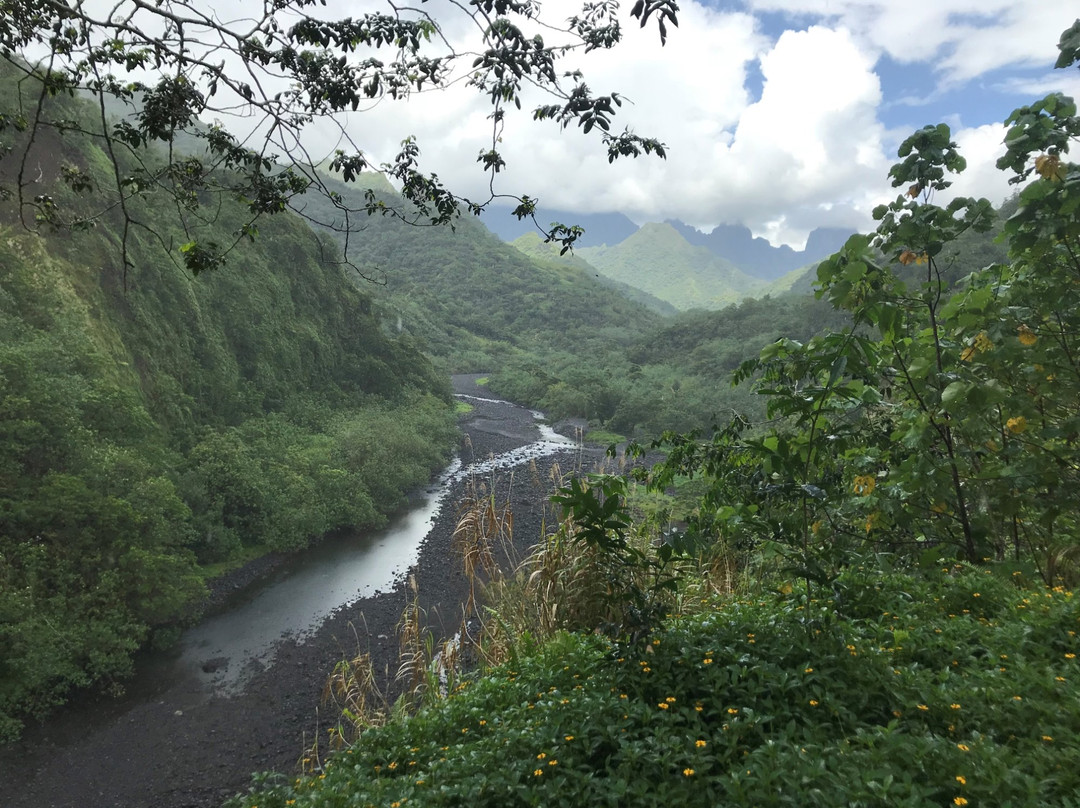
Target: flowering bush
950	689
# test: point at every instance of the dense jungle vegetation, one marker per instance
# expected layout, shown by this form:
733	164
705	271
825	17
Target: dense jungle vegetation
155	427
857	592
871	602
555	334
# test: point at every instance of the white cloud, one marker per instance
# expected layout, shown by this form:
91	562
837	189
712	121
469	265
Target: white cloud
981	147
962	38
810	151
1060	81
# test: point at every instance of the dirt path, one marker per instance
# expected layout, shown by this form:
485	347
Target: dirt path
175	746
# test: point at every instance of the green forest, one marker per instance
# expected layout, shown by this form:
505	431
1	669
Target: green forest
871	600
845	576
156	428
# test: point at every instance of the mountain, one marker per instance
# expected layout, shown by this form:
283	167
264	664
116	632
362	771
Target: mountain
735	243
546	252
474	301
600	228
156	427
660	261
756	256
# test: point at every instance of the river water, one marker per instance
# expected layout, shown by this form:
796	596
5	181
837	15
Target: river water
239	692
227	649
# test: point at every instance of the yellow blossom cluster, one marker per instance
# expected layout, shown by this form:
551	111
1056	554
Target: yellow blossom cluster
1016	425
863	485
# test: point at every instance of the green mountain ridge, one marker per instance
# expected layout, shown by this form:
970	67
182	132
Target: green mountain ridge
658	260
536	248
155	426
476	303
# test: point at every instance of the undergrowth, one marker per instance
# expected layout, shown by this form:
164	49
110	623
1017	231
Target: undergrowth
956	687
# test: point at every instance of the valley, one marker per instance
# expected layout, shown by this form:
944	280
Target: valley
326	480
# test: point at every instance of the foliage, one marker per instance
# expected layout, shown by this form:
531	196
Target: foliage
672	377
631	580
951	689
943	418
168	67
148	433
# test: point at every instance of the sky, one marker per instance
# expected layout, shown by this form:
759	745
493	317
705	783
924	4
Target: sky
782	115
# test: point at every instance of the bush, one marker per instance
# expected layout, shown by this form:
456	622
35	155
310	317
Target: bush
896	699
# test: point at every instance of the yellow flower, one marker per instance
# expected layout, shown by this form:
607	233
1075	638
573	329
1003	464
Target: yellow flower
1027	336
967	354
732	710
670	699
569	737
1070	656
863	485
1048	167
662	706
961	779
816	527
706	661
1016	425
808	670
813	702
955	706
699	744
538	772
541	756
1047	738
923	707
959	801
553	763
983	343
688	772
963	747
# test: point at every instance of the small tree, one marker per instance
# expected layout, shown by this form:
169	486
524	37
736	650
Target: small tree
946	416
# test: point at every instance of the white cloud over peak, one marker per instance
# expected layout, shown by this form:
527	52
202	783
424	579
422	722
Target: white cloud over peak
811	150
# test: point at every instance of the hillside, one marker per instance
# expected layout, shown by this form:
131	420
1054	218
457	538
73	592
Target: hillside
474	301
532	245
660	261
756	256
156	427
600	228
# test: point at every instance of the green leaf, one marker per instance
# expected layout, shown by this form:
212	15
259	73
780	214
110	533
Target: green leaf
954	395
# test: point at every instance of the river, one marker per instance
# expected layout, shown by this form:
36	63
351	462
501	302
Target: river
240	691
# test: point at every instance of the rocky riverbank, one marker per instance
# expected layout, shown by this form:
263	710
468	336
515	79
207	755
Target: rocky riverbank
169	744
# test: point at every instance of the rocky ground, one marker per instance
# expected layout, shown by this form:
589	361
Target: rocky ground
167	744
